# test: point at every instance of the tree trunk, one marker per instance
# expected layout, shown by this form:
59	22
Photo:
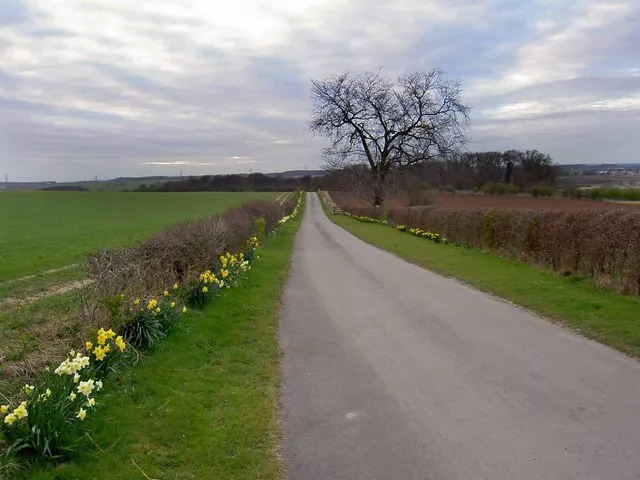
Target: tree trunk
379	176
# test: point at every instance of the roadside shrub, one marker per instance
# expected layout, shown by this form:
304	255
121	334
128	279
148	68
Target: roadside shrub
179	253
572	192
614	193
600	245
511	189
494	188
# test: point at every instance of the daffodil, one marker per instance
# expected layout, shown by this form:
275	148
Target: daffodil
136	302
9	419
120	343
99	352
72	396
107	348
21	411
99	382
166	293
82	414
153	303
157	310
172	304
88	346
4	409
76	378
91	402
86	387
175	286
184	309
205	289
47	393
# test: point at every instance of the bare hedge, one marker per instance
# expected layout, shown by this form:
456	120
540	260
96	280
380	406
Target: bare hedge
178	253
603	245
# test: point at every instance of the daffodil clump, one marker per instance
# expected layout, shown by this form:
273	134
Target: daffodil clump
49	420
225	273
418	232
146	321
294	213
360	218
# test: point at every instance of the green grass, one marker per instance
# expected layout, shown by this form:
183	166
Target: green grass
605	316
204	405
44	230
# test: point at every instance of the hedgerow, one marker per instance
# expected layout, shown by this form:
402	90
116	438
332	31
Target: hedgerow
600	245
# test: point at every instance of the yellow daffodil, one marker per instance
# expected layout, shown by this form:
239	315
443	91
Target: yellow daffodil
110	334
99	352
205	289
157	310
88	346
175	286
107	348
4	409
153	303
224	273
136	302
120	343
166	293
21	411
172	304
9	419
184	309
82	414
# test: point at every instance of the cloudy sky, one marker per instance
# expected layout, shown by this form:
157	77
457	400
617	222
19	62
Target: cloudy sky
155	87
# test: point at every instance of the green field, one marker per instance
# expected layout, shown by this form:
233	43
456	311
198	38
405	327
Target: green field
45	230
603	315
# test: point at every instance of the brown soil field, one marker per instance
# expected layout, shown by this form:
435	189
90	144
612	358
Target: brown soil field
471	200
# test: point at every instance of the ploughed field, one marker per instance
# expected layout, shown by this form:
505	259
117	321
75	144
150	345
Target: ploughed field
46	230
477	200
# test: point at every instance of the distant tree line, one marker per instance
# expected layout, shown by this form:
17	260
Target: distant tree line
257	182
511	171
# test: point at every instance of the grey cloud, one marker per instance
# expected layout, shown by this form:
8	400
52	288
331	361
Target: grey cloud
162	93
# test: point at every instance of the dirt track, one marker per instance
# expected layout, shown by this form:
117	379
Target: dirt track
393	372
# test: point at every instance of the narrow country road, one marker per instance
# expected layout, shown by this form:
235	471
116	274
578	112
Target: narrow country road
392	372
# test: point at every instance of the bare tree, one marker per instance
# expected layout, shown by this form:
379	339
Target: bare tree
386	126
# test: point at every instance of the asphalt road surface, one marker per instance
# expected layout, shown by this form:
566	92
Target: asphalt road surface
393	372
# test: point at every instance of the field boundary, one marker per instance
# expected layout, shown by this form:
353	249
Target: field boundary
324	195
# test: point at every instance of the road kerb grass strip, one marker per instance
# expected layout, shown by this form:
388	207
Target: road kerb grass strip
605	316
206	399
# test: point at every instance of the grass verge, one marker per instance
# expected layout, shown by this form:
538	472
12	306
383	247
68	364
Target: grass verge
608	317
205	404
